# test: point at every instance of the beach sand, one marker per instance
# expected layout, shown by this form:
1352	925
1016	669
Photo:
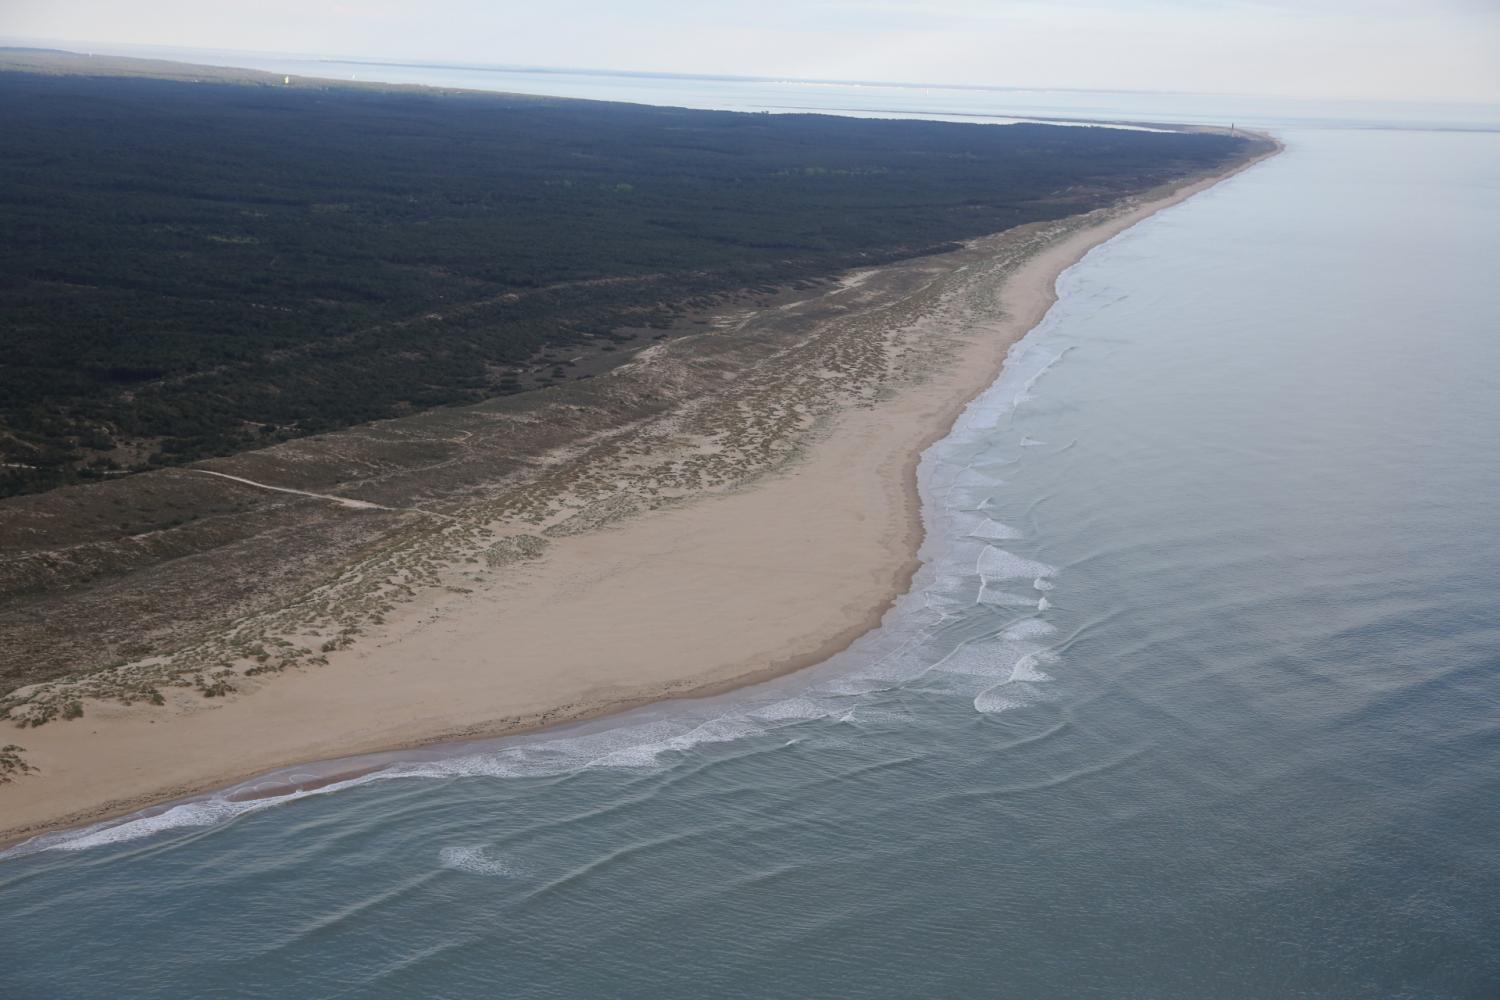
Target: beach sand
693	598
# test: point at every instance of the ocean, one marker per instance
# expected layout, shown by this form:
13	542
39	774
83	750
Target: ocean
1197	692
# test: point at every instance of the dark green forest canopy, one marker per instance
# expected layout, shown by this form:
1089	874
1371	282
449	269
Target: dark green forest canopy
189	269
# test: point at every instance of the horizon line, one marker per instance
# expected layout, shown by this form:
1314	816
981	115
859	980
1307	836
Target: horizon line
419	63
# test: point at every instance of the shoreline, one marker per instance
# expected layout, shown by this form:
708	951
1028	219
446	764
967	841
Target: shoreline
211	748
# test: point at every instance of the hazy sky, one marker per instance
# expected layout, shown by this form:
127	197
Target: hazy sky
1446	49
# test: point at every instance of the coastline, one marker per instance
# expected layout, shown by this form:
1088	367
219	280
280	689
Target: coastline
631	613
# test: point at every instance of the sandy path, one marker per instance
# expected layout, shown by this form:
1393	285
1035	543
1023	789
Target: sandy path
695	598
341	501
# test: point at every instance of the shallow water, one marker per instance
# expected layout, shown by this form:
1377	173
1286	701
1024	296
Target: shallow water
1198	693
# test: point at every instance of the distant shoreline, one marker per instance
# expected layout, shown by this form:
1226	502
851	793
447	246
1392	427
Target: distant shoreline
73	47
690	600
52	60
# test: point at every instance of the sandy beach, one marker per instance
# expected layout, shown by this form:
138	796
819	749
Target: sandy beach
698	595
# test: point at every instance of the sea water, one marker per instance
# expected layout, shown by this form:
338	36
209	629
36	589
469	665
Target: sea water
1197	693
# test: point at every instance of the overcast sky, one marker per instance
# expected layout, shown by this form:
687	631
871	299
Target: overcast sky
1418	49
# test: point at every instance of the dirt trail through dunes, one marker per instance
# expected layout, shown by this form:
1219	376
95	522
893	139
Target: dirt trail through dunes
341	501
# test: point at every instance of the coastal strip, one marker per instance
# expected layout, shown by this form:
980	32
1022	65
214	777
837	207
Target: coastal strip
693	597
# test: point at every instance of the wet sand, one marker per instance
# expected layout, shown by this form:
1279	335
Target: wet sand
696	597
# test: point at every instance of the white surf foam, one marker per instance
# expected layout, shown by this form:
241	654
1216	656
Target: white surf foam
1005	697
998	564
1028	668
475	860
994	531
1002	598
1029	628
